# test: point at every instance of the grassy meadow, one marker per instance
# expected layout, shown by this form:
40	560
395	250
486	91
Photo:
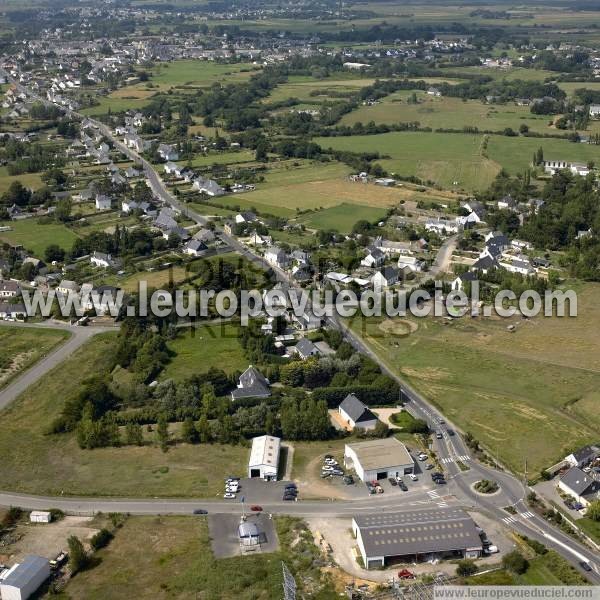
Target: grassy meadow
36	237
531	394
34	462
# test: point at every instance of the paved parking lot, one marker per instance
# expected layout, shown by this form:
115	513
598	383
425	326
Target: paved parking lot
224	538
256	491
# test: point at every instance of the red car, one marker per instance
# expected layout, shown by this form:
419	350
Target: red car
256	508
405	574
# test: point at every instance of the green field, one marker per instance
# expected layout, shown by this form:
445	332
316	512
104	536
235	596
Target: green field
221	158
448	113
29	180
342	217
171	557
36	237
115	104
22	347
301	87
199	72
33	462
457	161
528	394
450	160
202	348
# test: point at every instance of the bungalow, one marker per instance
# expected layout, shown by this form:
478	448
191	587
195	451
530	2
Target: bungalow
581	486
204	235
389	247
176	232
130	173
252	384
356	414
386	277
103	202
118	179
515	265
208	187
411	263
507	203
195	248
485	264
165	219
432	91
245	217
167	152
305	349
374	258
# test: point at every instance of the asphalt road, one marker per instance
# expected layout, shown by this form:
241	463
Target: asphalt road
512	491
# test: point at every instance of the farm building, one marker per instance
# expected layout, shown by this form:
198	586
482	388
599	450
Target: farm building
356	414
24	578
385	538
264	457
378	459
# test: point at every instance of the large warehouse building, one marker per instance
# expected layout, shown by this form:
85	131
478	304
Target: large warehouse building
264	457
387	538
378	459
24	578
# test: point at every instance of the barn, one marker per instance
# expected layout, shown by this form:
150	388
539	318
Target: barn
264	457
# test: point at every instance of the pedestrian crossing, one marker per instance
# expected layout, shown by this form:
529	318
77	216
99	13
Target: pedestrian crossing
515	518
450	459
433	494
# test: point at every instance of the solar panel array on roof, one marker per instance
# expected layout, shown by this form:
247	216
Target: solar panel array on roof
417	532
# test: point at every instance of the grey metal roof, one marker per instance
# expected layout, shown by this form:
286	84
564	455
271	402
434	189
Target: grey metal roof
27	570
586	453
356	410
417	532
579	482
247	530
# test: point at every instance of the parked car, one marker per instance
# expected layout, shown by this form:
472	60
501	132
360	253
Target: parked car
450	432
440	481
348	479
228	495
200	511
288	498
338	472
413	477
491	549
290	486
398	478
256	508
392	481
405	574
439	435
326	474
402	486
423	457
428	466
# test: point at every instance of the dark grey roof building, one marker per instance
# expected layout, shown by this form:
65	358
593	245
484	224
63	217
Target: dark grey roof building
356	414
305	348
252	384
416	535
585	488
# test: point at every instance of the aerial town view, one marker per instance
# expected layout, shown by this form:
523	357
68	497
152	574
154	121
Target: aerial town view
301	300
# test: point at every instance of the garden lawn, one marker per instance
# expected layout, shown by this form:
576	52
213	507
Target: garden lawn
342	218
201	348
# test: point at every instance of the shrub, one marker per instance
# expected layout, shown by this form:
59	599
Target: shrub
101	539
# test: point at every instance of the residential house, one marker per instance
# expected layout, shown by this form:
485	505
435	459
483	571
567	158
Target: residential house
374	258
485	264
585	488
11	310
195	248
66	287
9	289
277	257
245	217
443	226
432	91
411	263
204	235
507	203
131	173
103	202
305	349
172	168
356	414
459	283
386	277
101	259
583	456
167	152
595	111
252	384
176	232
522	266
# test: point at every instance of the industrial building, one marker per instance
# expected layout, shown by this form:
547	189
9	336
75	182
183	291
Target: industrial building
378	459
387	538
25	578
264	457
